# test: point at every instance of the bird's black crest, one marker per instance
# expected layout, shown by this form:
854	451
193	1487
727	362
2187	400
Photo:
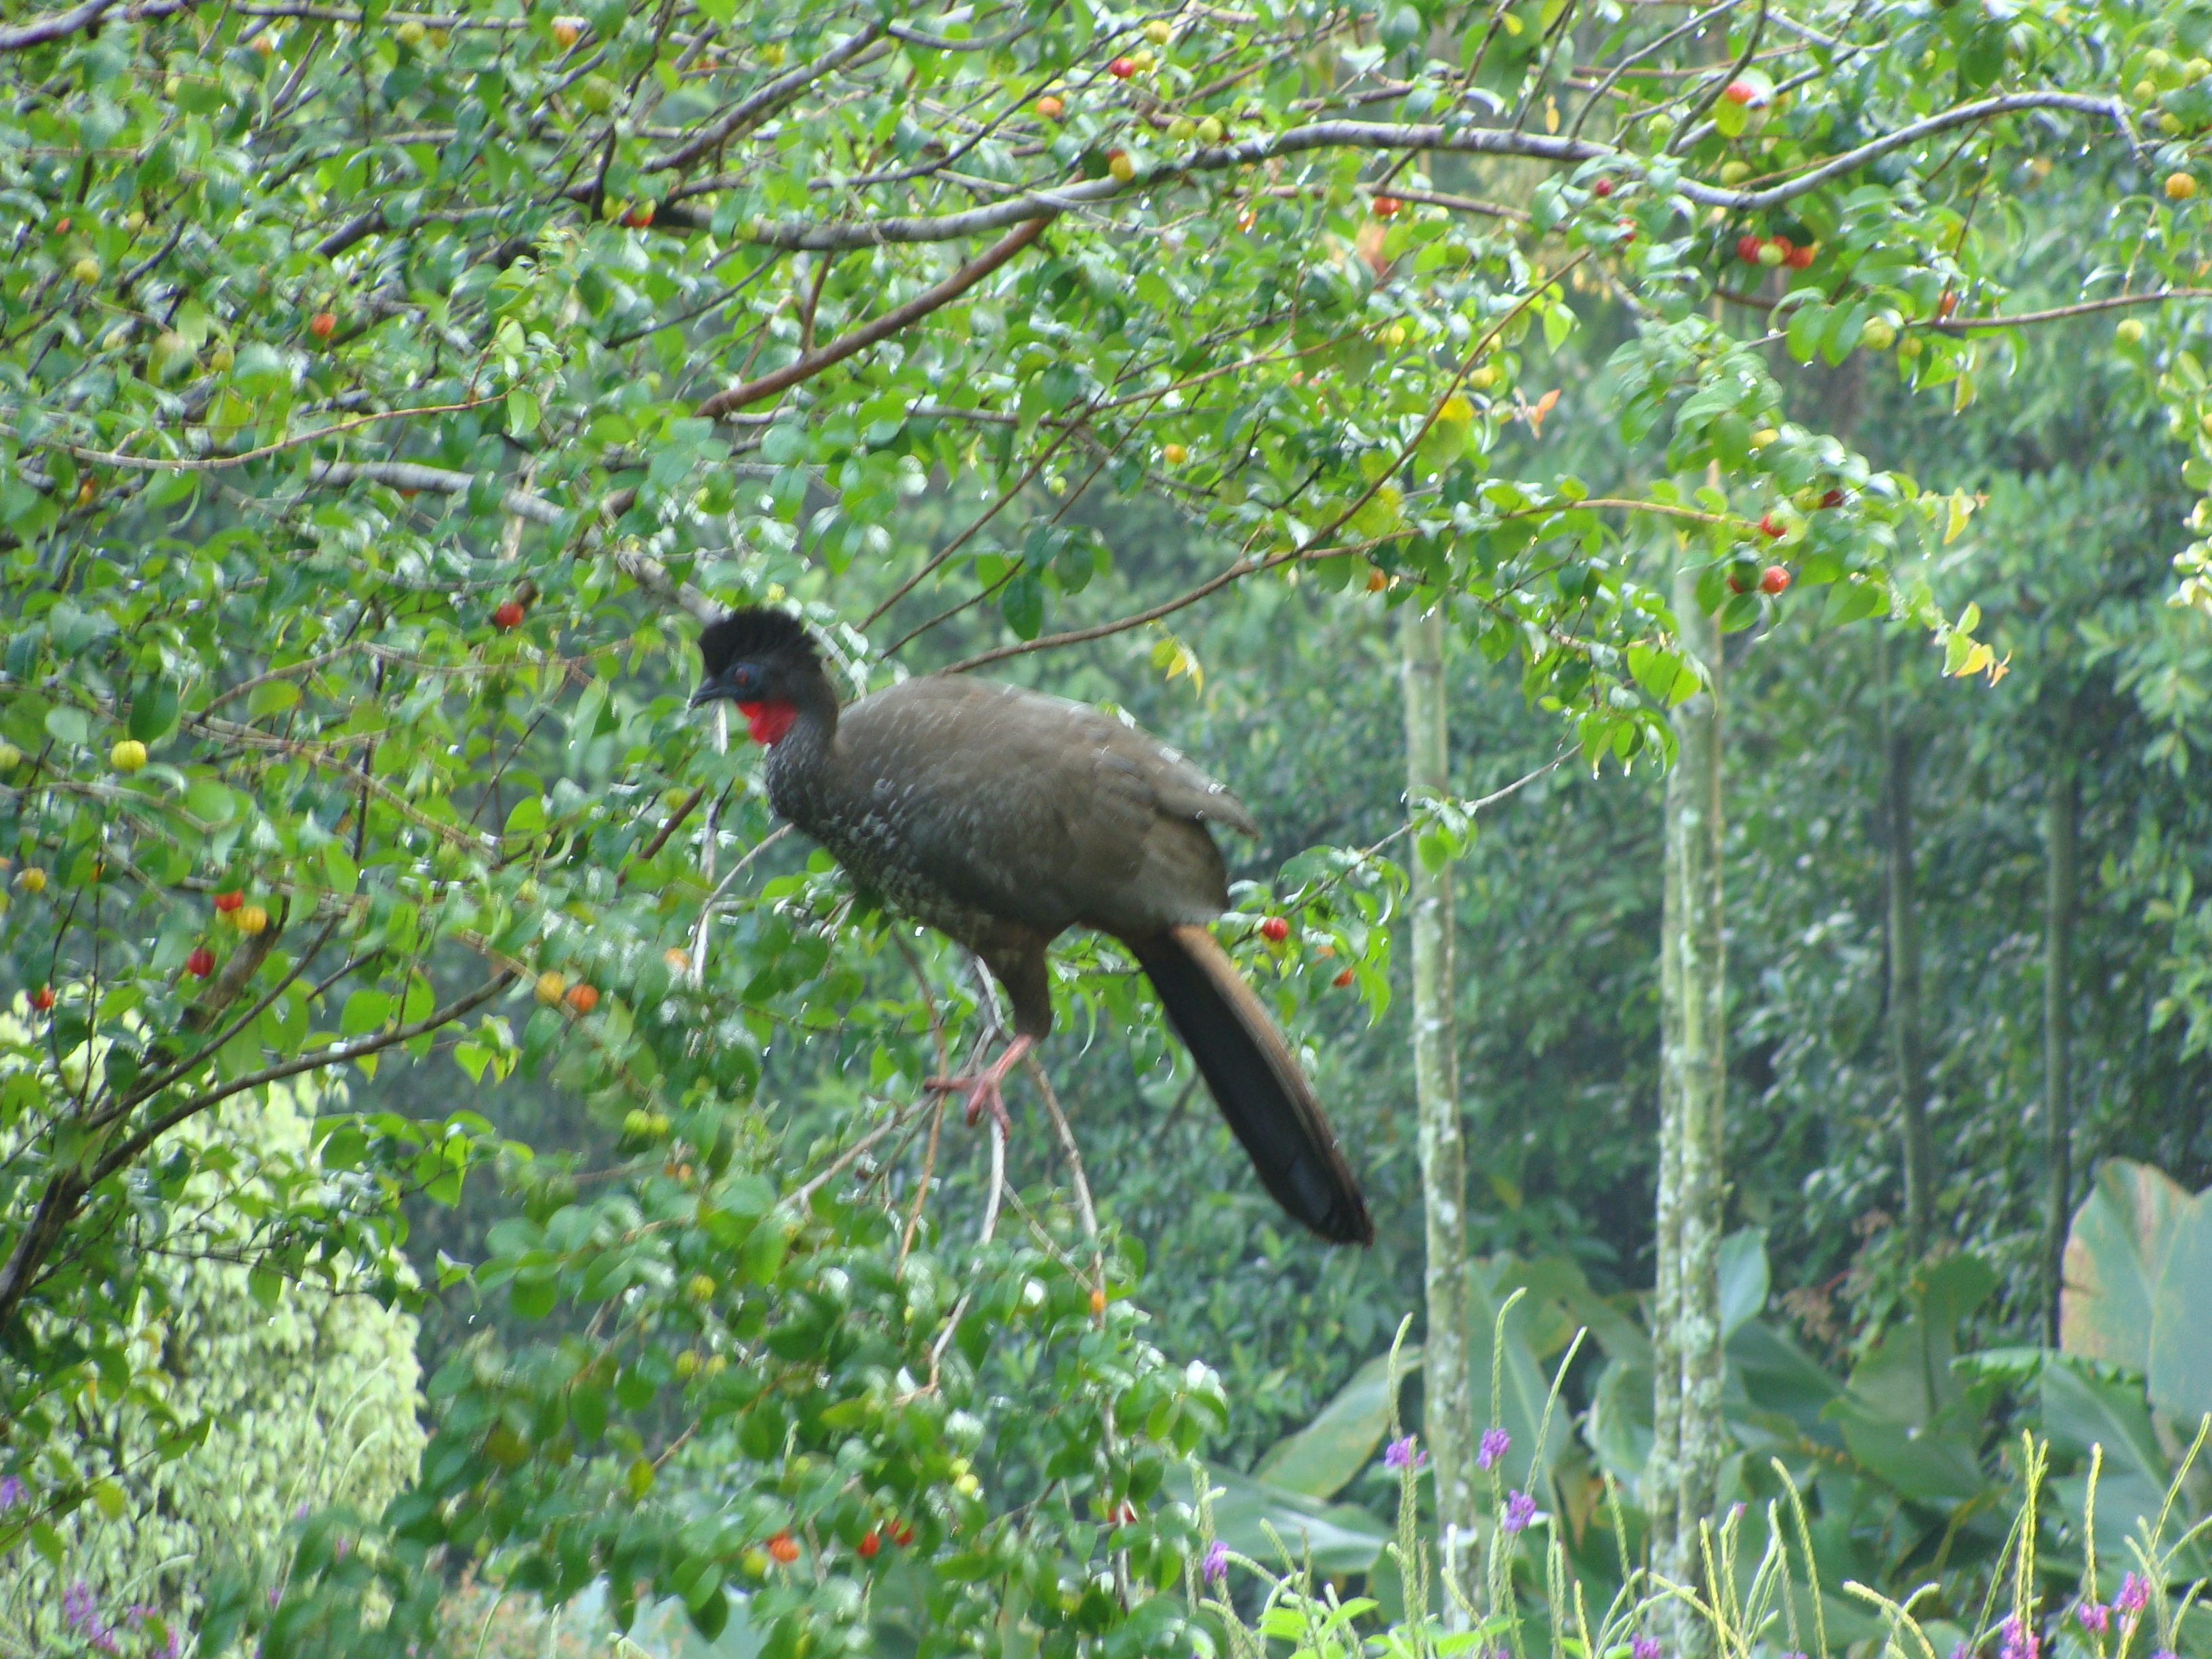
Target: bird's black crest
752	634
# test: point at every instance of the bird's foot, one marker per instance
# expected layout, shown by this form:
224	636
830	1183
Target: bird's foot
983	1088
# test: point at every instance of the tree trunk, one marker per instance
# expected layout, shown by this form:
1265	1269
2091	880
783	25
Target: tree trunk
1448	1415
1689	1438
2065	812
1905	1047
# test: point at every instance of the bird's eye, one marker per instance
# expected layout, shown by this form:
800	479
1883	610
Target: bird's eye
742	678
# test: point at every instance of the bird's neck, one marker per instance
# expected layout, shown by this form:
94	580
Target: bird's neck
799	735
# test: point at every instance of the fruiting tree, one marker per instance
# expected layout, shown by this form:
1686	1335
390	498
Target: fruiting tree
386	392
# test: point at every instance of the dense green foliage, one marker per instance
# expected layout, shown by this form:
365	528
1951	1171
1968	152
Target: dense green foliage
382	395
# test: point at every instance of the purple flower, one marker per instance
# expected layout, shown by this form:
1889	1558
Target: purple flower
1520	1510
276	1594
1496	1442
1963	1650
79	1608
2134	1595
1644	1647
2019	1641
137	1615
1401	1455
1217	1561
300	1514
174	1646
11	1492
2164	1653
2094	1616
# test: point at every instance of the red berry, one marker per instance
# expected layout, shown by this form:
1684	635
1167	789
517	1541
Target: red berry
1121	68
638	216
322	324
1385	206
1771	525
226	902
1747	248
1773	579
509	615
1798	258
784	1547
43	998
1834	498
1741	92
1344	978
869	1545
1948	304
1602	188
1274	930
200	963
901	1533
1734	583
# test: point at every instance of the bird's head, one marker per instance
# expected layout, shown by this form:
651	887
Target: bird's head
763	661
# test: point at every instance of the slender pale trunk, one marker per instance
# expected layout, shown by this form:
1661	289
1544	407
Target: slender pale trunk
1448	1417
2064	816
1694	1075
1905	1047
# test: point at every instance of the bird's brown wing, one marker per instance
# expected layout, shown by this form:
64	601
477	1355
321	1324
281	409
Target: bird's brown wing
1037	810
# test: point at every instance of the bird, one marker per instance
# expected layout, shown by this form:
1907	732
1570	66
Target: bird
1003	817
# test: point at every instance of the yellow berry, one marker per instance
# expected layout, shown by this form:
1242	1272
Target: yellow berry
10	757
702	1287
1483	377
412	33
1879	334
2180	186
87	270
1119	164
127	755
1210	131
2130	332
687	1364
1764	436
1159	31
32	879
551	986
251	920
1174	454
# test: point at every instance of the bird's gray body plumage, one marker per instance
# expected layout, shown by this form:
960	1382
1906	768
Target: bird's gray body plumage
1004	817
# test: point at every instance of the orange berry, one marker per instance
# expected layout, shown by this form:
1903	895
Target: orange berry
1344	978
583	998
784	1547
322	324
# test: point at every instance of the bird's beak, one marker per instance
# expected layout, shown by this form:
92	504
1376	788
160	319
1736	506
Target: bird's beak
712	689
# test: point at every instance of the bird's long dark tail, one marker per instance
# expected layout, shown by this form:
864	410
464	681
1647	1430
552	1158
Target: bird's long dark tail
1256	1082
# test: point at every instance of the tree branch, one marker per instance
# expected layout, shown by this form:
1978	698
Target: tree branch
890	322
1373	135
54	25
751	111
66	1193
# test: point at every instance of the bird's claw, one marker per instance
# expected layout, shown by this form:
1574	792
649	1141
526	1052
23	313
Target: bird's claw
983	1088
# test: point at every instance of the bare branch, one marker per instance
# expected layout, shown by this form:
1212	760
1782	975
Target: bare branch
890	322
1372	135
751	111
54	25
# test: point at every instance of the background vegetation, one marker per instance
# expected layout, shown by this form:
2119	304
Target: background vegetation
461	1188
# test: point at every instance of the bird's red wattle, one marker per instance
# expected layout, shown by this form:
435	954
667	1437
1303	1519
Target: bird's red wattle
768	721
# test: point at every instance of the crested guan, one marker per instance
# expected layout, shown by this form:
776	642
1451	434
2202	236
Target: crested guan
1002	817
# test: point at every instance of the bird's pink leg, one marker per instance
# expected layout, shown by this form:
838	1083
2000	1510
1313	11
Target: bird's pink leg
983	1087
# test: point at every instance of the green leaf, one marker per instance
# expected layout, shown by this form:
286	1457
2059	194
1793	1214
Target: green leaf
2116	1254
271	697
1319	1460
